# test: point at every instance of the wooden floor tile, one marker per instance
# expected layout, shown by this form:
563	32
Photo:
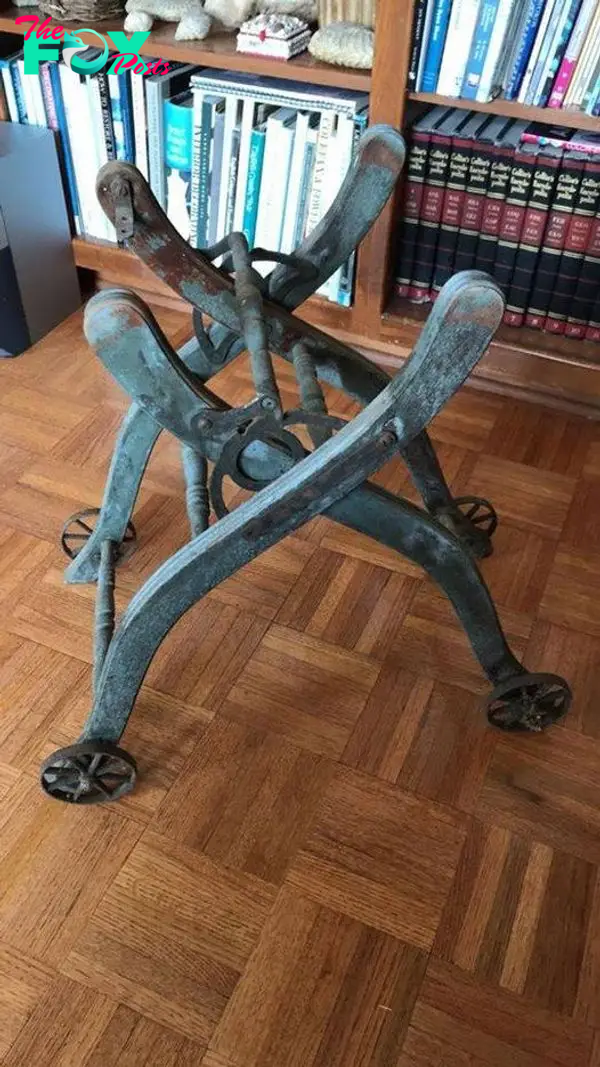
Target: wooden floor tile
488	1026
299	1001
55	863
517	571
572	594
431	739
245	799
171	936
23	983
467	420
501	917
547	787
526	497
302	688
528	434
381	856
575	656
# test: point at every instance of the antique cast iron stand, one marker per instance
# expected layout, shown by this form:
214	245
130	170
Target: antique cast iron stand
255	445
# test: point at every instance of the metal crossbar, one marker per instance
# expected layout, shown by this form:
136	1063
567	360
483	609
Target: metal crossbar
257	446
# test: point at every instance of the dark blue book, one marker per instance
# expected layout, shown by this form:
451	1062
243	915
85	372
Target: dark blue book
65	144
435	46
515	75
479	48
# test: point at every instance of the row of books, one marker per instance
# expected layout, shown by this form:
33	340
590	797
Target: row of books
518	200
540	52
221	150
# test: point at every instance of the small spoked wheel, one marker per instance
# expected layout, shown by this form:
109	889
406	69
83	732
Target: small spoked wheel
79	528
91	772
479	512
474	521
528	702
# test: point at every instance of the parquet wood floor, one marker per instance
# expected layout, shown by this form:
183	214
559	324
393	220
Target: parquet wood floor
330	859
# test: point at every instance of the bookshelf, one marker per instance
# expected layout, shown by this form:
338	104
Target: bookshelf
521	362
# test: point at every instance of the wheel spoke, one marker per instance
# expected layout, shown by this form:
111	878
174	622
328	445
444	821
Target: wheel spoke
84	526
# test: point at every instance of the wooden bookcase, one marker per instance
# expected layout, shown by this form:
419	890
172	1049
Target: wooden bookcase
524	362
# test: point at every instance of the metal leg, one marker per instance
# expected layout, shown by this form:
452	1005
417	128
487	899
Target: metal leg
410	531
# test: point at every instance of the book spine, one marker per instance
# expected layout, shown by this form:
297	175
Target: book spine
424	43
513	216
4	110
66	153
28	105
572	52
585	62
48	95
18	91
534	225
547	43
138	105
231	115
436	177
342	102
69	88
458	45
588	286
215	159
293	193
592	332
345	139
452	210
326	126
104	228
496	193
201	182
156	159
554	239
412	199
517	73
305	187
107	123
481	41
418	27
435	46
178	162
535	51
474	202
127	112
194	199
556	53
577	240
232	179
591	87
489	73
248	109
9	90
255	167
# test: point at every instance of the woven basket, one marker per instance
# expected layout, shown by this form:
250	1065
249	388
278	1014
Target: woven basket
82	11
360	11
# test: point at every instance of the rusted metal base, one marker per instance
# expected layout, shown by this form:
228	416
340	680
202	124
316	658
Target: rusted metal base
258	447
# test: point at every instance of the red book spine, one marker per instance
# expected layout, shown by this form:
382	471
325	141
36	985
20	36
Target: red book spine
413	199
492	207
577	242
587	286
431	213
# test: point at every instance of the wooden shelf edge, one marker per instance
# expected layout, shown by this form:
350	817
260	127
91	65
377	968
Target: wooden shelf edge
215	51
512	109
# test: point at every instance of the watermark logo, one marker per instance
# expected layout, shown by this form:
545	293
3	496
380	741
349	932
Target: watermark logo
44	42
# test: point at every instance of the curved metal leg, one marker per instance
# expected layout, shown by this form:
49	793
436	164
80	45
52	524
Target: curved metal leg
422	539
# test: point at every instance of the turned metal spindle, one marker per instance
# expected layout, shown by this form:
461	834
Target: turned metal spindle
311	394
104	621
195	469
250	303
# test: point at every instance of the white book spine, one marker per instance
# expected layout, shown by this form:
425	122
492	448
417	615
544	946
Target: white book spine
563	15
461	28
39	110
156	148
273	188
314	215
139	124
294	184
558	7
535	51
198	99
26	90
344	145
76	119
248	110
494	49
100	153
231	110
9	90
